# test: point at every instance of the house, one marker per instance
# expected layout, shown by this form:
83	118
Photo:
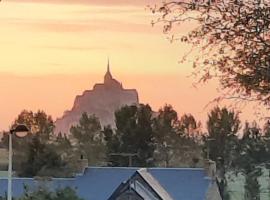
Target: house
108	183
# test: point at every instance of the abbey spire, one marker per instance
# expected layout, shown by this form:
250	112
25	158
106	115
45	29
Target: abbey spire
108	76
108	66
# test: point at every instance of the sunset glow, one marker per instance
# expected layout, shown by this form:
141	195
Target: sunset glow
52	51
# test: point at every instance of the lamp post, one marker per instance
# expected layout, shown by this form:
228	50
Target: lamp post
20	131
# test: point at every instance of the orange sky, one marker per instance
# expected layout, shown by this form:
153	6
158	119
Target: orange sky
52	50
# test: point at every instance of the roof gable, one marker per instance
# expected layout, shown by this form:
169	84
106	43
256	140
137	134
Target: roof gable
154	184
99	183
140	187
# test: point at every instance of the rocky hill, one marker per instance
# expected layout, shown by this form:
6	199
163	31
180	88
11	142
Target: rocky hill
103	100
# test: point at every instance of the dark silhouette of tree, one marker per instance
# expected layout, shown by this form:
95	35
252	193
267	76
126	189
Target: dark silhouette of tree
252	153
39	123
41	160
231	39
190	131
189	126
220	143
88	138
41	126
62	145
156	138
175	139
165	128
133	135
112	147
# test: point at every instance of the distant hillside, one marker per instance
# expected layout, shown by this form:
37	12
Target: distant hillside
103	101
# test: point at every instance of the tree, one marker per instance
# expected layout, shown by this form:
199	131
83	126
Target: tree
165	134
89	139
44	194
252	153
40	124
41	160
191	134
134	134
175	139
220	143
231	39
112	147
189	126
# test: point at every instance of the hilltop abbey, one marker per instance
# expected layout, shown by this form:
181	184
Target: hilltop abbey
103	100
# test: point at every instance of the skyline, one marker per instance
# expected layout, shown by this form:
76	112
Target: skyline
60	42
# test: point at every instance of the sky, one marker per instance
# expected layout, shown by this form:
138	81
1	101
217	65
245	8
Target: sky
53	50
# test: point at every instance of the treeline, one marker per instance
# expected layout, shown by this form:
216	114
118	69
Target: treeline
144	138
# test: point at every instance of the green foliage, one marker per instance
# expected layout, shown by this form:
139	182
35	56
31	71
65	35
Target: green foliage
220	143
134	134
88	138
44	194
36	154
159	140
112	146
165	135
41	160
175	139
189	126
222	126
39	123
252	153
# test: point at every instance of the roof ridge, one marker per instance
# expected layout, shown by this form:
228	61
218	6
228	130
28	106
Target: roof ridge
138	168
175	168
154	183
91	167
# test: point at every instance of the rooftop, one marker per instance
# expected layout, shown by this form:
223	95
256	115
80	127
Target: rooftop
99	183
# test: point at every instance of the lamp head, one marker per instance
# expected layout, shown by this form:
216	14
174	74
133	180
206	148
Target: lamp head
20	130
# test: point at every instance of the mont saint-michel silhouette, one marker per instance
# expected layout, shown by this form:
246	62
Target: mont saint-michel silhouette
102	101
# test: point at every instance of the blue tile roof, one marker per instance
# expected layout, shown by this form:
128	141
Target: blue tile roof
99	183
186	184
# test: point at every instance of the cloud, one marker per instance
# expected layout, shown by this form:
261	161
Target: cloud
78	26
72	48
94	2
77	19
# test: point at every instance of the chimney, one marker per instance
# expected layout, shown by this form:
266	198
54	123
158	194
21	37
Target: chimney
82	164
210	168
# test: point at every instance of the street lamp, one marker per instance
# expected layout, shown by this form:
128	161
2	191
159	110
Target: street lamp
21	131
